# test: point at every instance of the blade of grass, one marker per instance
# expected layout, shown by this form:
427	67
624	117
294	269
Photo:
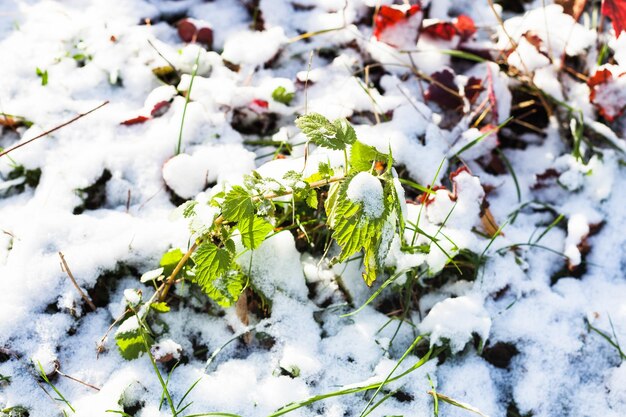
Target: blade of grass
456	403
187	97
352	390
61	398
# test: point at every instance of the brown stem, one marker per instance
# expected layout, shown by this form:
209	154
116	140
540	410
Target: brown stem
78	380
47	132
66	268
165	287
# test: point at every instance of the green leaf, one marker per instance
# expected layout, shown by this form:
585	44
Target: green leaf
217	275
322	132
225	289
345	131
43	74
160	307
363	157
211	262
169	260
325	170
238	204
311	199
281	95
131	342
253	231
354	231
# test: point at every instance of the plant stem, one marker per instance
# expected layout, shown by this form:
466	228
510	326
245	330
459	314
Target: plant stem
66	268
142	332
182	122
54	129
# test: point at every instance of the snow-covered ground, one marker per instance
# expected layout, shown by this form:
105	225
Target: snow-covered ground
102	191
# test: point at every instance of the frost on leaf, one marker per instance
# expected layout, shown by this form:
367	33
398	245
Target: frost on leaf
393	24
608	91
319	130
355	229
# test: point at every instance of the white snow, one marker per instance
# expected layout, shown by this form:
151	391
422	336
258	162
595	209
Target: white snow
520	293
367	190
454	320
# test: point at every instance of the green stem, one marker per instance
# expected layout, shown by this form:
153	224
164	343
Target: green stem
182	122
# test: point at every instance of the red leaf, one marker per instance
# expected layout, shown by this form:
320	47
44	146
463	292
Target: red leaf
428	198
389	15
189	31
441	30
616	11
259	106
465	26
160	108
610	104
205	36
441	90
186	30
600	77
135	120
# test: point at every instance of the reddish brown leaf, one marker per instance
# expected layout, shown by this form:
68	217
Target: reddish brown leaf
463	26
616	11
573	8
160	108
443	90
205	36
600	77
389	15
186	30
440	30
473	88
195	31
135	120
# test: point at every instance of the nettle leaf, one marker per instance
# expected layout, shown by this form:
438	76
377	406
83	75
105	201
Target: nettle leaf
364	157
169	260
319	130
130	345
311	199
211	262
324	172
238	204
216	274
353	230
253	231
160	307
281	95
130	342
226	289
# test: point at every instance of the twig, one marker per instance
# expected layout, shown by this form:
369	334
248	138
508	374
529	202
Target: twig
54	129
77	380
100	345
66	269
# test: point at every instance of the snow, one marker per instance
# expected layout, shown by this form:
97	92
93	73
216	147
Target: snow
454	320
366	190
529	290
253	48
